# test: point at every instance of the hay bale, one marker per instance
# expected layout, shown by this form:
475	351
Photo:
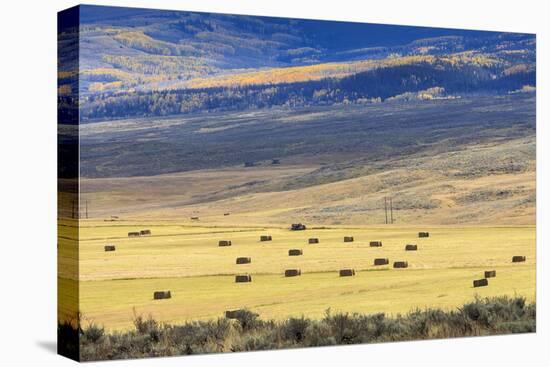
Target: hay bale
226	214
490	273
411	247
423	234
381	261
295	252
518	259
162	295
293	272
348	239
347	272
234	314
297	227
375	244
134	234
243	278
222	243
194	218
145	232
265	238
400	264
481	283
313	240
243	260
110	248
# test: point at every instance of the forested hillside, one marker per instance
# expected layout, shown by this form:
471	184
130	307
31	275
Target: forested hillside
423	80
139	62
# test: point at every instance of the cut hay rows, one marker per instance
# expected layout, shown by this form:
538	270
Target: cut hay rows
186	261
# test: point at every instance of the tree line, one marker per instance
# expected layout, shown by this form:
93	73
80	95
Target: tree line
369	86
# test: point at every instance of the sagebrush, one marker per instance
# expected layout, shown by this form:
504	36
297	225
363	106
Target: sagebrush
500	315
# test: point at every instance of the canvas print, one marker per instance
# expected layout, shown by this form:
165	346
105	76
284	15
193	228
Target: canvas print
235	183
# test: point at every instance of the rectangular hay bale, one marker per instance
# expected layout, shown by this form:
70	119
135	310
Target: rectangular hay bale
481	283
233	314
518	259
400	264
224	243
347	272
375	244
243	260
423	234
295	252
381	261
243	278
162	295
265	238
145	232
134	234
293	272
411	247
110	248
490	273
348	239
313	240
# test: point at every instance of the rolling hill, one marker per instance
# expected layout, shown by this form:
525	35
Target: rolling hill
157	63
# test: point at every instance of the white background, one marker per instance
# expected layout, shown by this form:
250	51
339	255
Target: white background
28	181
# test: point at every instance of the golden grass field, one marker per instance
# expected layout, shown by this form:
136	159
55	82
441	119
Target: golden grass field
184	257
478	217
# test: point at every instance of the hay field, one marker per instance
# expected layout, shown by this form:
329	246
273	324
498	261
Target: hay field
185	259
464	171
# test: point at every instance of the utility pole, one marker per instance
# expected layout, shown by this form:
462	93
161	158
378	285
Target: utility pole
391	209
86	209
72	214
386	209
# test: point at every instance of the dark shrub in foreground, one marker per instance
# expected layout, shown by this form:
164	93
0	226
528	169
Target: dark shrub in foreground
501	315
